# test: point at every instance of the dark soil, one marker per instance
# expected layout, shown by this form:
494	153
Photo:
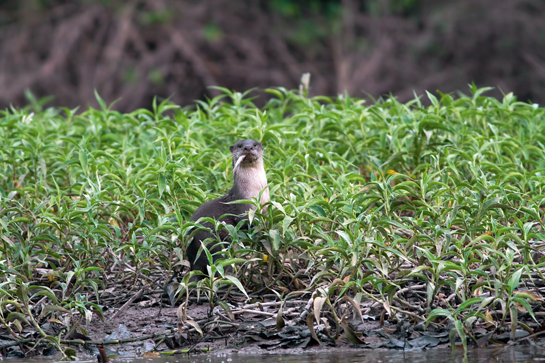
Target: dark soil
150	327
242	338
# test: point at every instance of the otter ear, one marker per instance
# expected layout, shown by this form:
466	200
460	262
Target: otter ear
231	148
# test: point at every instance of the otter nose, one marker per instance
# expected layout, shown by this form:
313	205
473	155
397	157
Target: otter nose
248	147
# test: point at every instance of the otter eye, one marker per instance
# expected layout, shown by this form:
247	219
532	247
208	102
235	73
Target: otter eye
239	146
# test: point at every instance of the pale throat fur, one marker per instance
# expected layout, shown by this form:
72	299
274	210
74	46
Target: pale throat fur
250	179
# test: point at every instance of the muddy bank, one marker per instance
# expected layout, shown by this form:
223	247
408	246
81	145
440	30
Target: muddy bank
151	327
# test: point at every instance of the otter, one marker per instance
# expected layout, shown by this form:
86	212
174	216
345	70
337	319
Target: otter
250	180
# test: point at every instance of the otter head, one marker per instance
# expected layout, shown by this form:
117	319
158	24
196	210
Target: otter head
246	153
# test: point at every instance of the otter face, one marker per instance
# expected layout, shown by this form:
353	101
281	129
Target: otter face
251	150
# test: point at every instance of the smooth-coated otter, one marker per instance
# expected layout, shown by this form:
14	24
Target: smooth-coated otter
250	180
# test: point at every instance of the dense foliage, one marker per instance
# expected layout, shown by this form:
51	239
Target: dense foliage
367	199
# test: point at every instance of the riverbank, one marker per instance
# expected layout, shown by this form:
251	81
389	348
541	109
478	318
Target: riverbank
426	218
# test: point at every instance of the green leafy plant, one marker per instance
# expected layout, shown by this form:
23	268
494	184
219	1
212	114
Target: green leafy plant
444	192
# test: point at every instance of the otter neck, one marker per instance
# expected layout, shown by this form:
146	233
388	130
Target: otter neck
249	181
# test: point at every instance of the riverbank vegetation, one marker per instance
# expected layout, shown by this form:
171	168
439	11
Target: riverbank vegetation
428	212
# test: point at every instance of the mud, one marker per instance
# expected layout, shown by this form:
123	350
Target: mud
151	328
251	333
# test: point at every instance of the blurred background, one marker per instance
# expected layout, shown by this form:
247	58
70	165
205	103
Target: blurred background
135	50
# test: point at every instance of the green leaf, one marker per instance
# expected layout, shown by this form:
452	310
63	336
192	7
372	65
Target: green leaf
83	159
285	224
162	182
432	99
16	316
459	326
49	308
525	305
466	304
45	291
436	313
514	321
514	280
237	283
